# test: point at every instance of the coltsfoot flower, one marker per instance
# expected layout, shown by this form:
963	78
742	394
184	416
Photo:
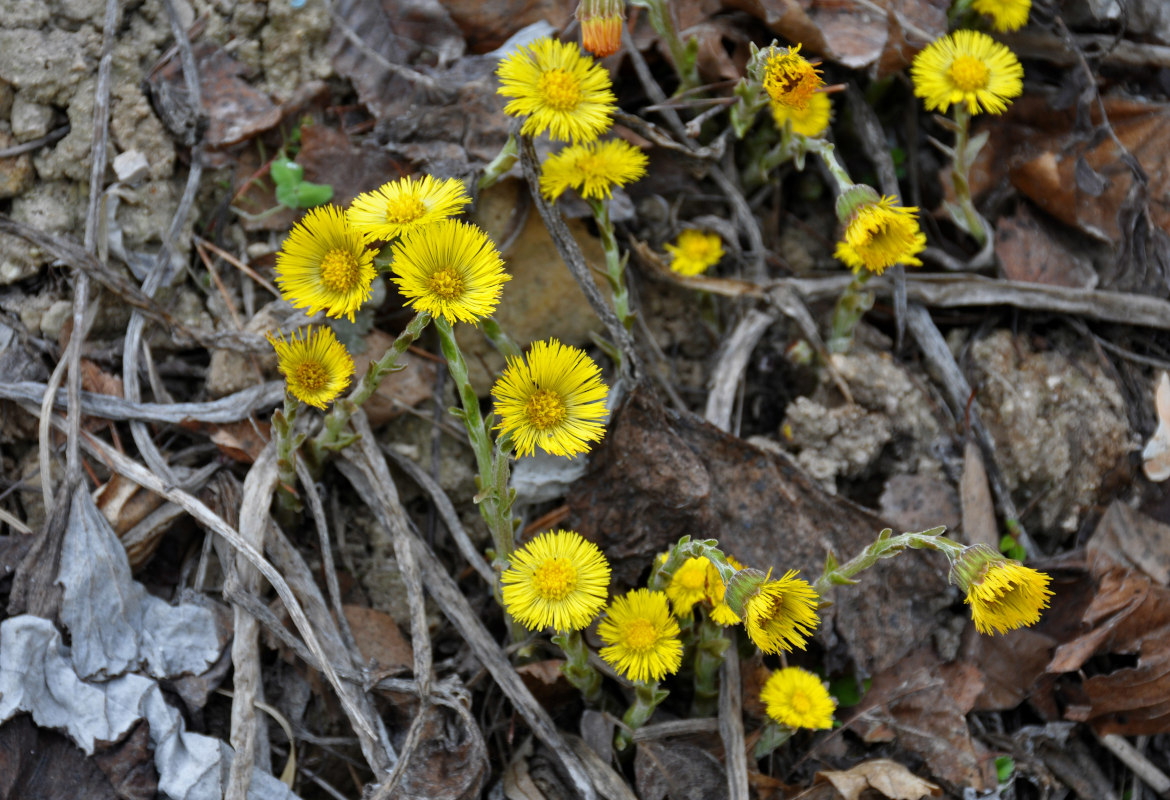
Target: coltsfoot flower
316	367
694	252
642	636
721	613
557	579
808	121
323	264
777	615
688	585
1003	594
878	234
554	398
593	169
967	67
795	697
450	269
601	26
1006	15
403	205
789	79
558	90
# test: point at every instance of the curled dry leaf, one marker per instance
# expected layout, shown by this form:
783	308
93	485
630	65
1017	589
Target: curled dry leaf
888	777
1156	454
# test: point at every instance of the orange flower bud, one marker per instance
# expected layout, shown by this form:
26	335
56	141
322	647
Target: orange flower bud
601	26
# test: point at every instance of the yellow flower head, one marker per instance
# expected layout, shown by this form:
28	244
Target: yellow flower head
554	399
450	269
695	251
721	613
558	89
778	615
601	26
642	636
1003	593
403	205
323	265
808	121
593	169
1006	15
967	67
879	234
795	697
316	367
688	585
557	579
789	79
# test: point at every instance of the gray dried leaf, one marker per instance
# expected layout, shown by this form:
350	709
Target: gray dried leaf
116	625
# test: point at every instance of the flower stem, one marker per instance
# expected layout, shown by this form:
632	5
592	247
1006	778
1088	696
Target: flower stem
500	164
647	696
684	56
886	546
503	343
960	175
334	436
577	669
615	265
850	308
494	497
710	645
287	443
828	155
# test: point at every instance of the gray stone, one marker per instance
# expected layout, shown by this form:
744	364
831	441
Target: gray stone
16	173
24	13
30	120
294	46
48	64
91	11
7	95
230	371
134	126
131	166
69	158
19	259
54	319
53	207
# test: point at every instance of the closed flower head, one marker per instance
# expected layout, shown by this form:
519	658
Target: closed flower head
323	265
789	79
554	398
316	367
557	579
1003	593
795	697
694	252
688	585
778	615
601	26
878	234
642	636
808	121
593	169
449	269
406	204
968	68
558	90
721	613
1006	15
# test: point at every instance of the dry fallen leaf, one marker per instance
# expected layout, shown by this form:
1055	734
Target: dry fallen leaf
888	777
379	638
1156	454
979	526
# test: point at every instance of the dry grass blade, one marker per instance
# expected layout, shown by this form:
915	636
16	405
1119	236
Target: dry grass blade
729	368
232	408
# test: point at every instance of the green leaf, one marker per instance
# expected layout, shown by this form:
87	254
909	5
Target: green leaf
303	194
286	172
1012	548
1004	767
848	690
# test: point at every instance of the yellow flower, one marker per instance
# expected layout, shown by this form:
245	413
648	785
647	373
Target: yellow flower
593	169
967	67
1006	15
323	265
789	79
880	234
1003	593
558	89
795	697
554	399
808	121
695	251
721	613
688	585
403	205
642	636
778	615
450	269
601	26
557	579
316	368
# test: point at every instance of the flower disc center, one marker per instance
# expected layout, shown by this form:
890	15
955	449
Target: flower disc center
340	271
545	409
560	90
446	283
969	74
311	376
640	635
555	579
404	209
800	702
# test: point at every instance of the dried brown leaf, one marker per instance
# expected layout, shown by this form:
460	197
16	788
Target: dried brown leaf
888	777
1030	251
379	638
678	771
979	525
1131	539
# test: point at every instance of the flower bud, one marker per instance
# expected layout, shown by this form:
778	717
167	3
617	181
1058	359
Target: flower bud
601	26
